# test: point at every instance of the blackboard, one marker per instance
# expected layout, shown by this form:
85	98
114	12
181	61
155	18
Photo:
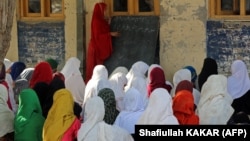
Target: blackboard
39	41
138	41
228	41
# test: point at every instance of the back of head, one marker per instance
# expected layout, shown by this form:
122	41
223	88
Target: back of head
16	69
209	67
53	63
193	72
42	73
7	64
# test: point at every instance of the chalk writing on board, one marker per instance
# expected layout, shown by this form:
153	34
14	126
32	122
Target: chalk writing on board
138	40
228	41
38	41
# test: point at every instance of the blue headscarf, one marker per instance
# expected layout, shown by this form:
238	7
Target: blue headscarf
16	69
193	73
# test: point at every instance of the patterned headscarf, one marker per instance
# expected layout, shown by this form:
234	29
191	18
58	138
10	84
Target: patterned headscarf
108	97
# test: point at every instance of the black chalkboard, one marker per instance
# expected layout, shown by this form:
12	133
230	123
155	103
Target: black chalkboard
138	41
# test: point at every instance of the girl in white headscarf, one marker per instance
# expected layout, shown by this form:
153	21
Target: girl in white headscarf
95	129
185	74
137	78
98	81
215	103
73	79
238	87
6	115
133	108
118	82
181	74
11	84
159	109
119	69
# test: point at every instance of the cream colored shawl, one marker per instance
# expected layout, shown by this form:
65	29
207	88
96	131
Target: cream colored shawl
73	79
95	129
159	109
215	103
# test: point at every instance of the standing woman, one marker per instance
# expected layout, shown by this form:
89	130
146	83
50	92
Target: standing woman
100	45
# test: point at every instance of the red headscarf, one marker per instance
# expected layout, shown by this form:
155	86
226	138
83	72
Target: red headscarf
157	80
100	45
183	104
42	73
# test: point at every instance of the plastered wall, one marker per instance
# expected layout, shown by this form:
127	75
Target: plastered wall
182	34
70	29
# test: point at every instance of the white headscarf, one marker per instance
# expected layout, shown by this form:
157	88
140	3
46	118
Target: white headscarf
98	81
133	108
10	83
159	109
26	74
6	115
137	78
215	103
182	74
95	129
238	82
118	82
74	81
119	69
7	63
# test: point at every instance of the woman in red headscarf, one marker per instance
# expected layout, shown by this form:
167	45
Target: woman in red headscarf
183	104
100	45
